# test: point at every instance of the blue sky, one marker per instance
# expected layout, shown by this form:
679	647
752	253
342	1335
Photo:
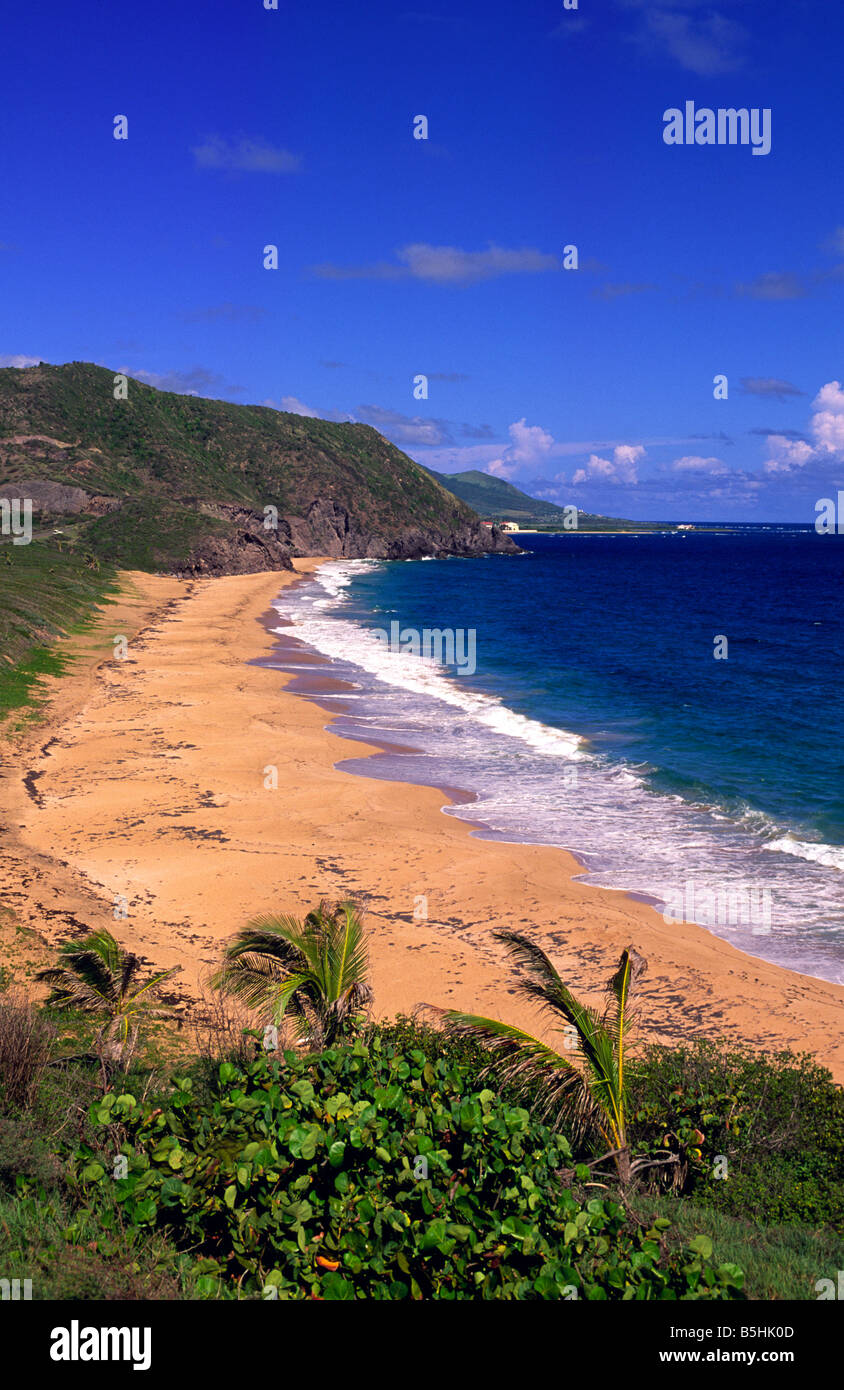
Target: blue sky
294	127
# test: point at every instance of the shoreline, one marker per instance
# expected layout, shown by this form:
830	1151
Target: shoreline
321	676
312	687
145	779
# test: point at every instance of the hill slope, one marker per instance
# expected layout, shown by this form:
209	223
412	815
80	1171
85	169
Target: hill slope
164	481
177	483
497	500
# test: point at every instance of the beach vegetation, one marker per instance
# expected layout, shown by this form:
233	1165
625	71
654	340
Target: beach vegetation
311	975
386	1167
754	1133
780	1260
583	1084
371	1172
97	976
46	592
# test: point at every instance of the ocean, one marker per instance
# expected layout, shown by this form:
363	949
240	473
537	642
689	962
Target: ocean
668	707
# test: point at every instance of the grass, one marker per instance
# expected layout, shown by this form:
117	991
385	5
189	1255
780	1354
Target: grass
779	1262
70	1252
45	593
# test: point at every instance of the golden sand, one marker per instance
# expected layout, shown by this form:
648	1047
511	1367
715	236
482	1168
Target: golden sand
145	784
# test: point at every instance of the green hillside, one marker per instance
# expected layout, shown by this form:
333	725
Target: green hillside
184	485
494	499
157	468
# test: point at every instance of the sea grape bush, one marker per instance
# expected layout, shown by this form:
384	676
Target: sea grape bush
373	1171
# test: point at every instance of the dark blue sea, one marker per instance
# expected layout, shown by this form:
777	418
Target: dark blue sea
589	711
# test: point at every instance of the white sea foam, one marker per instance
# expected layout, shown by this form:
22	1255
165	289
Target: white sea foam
831	856
536	784
336	637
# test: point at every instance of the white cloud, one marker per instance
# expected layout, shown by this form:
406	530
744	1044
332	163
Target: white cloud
529	446
447	265
622	468
20	361
787	454
827	424
499	469
628	454
297	407
248	156
693	463
826	427
830	397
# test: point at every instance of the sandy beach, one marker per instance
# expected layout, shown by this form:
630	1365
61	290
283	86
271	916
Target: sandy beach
146	787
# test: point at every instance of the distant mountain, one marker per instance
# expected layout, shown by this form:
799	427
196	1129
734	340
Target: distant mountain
496	500
180	483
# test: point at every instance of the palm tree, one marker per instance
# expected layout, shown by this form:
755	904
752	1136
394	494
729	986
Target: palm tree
314	971
96	976
584	1084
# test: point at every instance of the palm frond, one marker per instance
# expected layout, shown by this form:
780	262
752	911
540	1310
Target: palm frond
346	957
129	969
288	940
150	985
82	980
261	982
590	1093
95	975
103	944
531	958
545	985
526	1063
314	970
595	1045
631	969
69	992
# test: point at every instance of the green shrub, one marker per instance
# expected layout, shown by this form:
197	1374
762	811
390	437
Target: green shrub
376	1172
407	1034
777	1120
